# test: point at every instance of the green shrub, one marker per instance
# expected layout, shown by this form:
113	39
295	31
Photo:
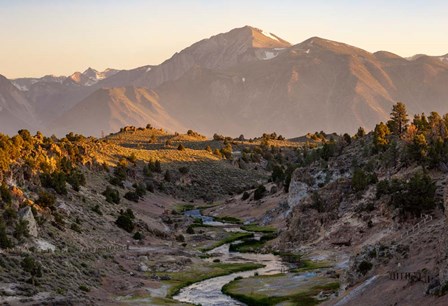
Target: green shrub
147	171
132	196
167	176
245	196
121	172
137	236
364	267
5	242
361	179
84	288
5	194
55	180
125	220
150	187
32	266
227	151
382	188
97	210
360	133
278	175
259	192
184	170
218	137
132	158
75	227
155	166
190	230
347	138
9	215
413	198
417	197
76	179
140	189
328	150
21	230
116	181
46	199
112	195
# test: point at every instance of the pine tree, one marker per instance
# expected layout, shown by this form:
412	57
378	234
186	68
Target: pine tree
361	132
380	139
398	119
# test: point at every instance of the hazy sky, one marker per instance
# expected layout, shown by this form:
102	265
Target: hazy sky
59	37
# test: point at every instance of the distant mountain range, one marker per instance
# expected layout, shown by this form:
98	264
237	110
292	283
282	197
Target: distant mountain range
243	81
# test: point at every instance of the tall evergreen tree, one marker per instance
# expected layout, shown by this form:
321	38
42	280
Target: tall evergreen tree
380	139
361	132
398	119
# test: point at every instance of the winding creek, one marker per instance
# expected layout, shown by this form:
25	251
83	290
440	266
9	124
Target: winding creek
208	292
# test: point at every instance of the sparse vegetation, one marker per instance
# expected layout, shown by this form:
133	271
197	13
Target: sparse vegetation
112	195
230	238
364	267
32	267
179	280
302	297
361	179
125	220
258	228
412	197
37	171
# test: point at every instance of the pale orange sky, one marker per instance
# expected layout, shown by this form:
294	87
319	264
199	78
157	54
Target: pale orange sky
60	37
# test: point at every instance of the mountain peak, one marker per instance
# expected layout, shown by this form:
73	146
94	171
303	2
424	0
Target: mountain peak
90	70
317	43
259	38
387	55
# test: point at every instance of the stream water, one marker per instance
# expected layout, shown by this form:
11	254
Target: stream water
207	220
208	292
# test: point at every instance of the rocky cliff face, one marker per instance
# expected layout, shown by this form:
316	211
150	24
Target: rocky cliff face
328	214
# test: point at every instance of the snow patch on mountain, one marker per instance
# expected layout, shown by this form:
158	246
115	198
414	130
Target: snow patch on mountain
270	55
270	35
91	76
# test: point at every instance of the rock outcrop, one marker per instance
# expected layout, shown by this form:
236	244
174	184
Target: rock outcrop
26	214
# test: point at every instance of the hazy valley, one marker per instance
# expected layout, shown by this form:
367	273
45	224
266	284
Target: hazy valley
243	170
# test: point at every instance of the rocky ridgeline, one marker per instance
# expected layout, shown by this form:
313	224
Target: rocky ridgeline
328	210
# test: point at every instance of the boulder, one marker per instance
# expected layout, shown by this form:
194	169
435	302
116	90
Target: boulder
45	246
63	208
143	267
